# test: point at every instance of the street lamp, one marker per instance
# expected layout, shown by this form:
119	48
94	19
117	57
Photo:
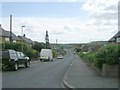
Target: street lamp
22	29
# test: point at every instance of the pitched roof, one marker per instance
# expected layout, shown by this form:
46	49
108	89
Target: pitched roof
115	36
5	33
27	40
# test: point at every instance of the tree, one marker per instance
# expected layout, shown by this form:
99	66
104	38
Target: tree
38	46
47	40
27	50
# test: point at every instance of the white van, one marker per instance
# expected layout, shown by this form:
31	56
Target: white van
46	55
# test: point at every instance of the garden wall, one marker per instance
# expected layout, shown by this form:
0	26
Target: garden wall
110	70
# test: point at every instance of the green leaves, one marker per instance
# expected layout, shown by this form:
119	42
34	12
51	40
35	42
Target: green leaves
27	50
109	54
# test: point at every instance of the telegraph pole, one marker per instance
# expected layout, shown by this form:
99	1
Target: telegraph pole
22	35
10	28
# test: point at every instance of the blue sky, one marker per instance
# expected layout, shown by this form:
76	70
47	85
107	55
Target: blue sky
43	9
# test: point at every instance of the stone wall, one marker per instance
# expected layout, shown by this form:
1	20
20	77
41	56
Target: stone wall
110	70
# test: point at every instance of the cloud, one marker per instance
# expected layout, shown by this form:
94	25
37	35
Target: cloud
101	7
35	28
103	14
66	30
100	25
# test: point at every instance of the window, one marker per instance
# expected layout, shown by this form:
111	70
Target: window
118	39
7	39
22	55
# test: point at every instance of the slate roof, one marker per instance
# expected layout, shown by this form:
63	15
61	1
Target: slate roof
5	33
27	40
115	36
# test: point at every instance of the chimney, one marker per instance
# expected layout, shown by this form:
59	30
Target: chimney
24	35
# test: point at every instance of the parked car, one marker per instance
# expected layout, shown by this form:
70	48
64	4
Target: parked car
11	59
46	55
59	57
22	59
74	52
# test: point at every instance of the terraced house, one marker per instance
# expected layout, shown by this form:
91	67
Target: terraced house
5	36
26	40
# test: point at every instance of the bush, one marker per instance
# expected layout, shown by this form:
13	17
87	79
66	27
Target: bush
54	53
88	56
27	50
108	54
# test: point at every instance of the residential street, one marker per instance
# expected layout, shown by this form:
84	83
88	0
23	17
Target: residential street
63	44
70	71
39	75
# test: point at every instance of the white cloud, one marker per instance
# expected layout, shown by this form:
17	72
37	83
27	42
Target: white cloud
103	14
66	30
100	25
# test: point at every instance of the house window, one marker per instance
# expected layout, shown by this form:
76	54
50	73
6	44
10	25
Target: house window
118	39
7	39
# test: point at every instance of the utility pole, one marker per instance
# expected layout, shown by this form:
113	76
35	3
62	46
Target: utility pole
22	35
56	46
10	28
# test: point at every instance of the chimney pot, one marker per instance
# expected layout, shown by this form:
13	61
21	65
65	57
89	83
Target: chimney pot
24	35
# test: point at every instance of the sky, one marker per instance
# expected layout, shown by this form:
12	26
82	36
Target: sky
68	21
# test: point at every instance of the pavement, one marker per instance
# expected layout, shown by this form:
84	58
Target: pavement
80	75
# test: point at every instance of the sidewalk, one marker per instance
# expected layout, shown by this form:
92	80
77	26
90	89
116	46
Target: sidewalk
80	75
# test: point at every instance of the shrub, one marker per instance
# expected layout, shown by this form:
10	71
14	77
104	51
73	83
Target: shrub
87	56
108	54
27	50
54	53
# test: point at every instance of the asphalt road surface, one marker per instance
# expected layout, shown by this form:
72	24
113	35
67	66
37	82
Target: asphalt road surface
39	75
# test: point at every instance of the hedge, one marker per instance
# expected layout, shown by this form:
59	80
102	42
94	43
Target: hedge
109	54
27	50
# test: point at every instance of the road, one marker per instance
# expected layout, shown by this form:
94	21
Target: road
39	75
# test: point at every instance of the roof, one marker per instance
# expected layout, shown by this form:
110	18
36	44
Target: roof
27	40
7	34
115	36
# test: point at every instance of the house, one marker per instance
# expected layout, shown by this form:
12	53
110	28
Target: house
115	38
93	46
84	48
5	36
26	40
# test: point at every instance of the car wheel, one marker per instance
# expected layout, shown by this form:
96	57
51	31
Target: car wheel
40	59
51	59
27	64
15	68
